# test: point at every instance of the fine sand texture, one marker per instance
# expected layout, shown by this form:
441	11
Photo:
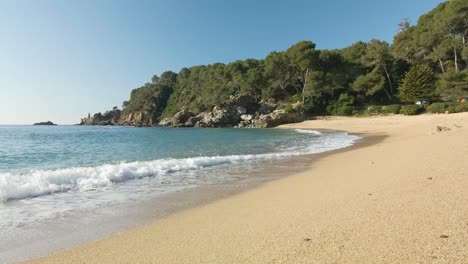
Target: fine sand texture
401	199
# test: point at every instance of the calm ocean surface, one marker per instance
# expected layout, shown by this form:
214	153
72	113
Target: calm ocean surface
50	172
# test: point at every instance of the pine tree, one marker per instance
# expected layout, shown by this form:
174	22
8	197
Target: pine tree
418	84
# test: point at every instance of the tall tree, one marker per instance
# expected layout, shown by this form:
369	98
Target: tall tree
453	85
378	55
404	24
454	20
369	84
278	70
168	78
303	58
418	84
355	52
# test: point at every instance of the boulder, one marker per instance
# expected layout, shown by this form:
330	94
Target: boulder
246	101
181	117
276	118
266	107
192	121
241	110
167	121
136	118
221	116
246	117
244	124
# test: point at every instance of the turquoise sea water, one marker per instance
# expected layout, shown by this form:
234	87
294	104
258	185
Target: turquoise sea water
25	148
51	172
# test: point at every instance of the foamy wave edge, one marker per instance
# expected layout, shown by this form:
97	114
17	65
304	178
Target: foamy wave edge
307	131
43	182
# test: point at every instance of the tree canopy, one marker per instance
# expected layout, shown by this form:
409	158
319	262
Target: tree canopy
433	52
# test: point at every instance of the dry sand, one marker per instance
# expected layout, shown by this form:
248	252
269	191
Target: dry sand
403	199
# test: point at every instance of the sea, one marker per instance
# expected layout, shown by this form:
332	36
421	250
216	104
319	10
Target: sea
63	185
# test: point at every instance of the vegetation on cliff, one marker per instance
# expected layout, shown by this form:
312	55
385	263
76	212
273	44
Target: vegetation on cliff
425	60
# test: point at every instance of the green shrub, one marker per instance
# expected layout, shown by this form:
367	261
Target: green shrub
391	109
448	104
411	110
346	99
289	108
451	109
437	108
463	107
345	111
374	109
198	107
296	98
385	109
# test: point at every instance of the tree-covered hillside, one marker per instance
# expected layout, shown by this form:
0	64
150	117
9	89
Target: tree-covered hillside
431	55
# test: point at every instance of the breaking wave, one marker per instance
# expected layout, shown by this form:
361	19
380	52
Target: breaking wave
15	186
306	131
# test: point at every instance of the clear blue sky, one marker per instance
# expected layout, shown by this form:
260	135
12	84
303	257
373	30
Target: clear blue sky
61	59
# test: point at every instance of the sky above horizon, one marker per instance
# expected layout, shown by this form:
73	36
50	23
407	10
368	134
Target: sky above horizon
60	60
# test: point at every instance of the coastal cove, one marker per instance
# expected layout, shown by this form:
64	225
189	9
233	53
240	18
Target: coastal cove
234	132
357	205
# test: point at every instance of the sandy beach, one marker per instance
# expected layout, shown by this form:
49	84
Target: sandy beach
400	197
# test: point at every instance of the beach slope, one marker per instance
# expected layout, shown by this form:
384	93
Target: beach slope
401	199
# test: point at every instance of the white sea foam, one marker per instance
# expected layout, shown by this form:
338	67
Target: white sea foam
42	182
306	131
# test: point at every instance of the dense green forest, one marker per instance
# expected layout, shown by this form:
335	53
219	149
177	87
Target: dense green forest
425	61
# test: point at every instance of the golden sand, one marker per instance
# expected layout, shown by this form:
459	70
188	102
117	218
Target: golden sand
403	199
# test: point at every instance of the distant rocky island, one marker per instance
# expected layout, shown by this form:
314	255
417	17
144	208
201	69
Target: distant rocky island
47	123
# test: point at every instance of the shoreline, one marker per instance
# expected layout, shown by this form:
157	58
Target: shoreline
317	214
120	218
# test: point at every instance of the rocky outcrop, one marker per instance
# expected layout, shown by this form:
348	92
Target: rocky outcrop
225	115
192	121
222	116
136	118
276	118
144	108
179	119
231	116
47	123
266	107
118	117
239	111
109	118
